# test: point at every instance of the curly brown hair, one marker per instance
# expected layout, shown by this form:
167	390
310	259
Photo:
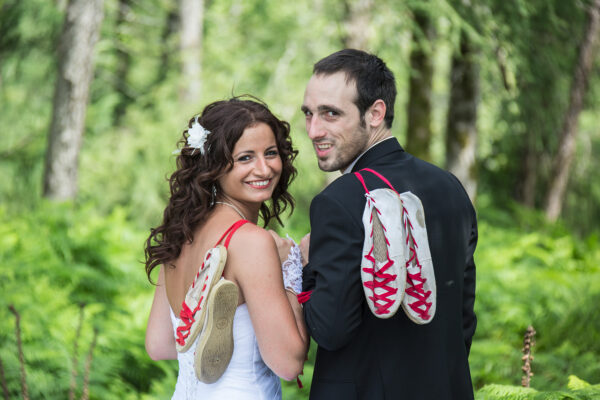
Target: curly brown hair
192	182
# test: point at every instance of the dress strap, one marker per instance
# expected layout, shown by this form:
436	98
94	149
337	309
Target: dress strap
230	231
383	178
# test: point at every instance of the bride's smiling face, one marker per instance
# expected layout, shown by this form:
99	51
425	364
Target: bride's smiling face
256	167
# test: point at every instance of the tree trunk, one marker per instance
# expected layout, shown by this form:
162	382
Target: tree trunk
191	13
123	63
75	70
566	150
461	135
418	133
356	23
167	50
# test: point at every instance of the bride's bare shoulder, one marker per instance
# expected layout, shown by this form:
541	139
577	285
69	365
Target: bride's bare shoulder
253	238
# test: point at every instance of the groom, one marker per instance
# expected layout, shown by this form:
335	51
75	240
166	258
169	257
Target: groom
349	109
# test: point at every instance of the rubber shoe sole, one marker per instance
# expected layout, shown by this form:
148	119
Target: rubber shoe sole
215	347
198	294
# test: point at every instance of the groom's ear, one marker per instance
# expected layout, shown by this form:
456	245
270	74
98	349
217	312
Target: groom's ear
375	114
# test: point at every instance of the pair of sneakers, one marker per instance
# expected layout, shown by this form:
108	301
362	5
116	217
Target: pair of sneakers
396	267
208	311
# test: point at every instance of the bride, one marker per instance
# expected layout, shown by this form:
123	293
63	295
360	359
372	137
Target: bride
221	305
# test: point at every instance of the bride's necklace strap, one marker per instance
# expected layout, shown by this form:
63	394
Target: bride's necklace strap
232	206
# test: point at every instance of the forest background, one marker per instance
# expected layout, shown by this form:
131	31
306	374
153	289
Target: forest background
94	95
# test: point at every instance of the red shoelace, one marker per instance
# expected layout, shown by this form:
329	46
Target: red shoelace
187	315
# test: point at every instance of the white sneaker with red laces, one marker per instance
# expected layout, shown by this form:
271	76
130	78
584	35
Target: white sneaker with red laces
396	264
419	302
194	306
383	270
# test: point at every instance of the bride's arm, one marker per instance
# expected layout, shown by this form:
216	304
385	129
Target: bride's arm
292	262
160	342
299	317
275	313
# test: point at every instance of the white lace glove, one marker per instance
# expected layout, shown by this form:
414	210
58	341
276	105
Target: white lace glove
292	270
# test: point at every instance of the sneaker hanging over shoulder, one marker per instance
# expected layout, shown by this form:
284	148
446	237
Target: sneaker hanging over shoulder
419	302
383	271
193	308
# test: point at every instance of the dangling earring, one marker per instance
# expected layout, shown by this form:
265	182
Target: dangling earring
213	196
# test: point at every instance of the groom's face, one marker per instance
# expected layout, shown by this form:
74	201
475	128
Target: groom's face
333	121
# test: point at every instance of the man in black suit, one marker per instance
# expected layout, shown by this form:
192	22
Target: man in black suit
349	109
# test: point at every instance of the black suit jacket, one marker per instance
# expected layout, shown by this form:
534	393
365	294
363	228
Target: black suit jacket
364	357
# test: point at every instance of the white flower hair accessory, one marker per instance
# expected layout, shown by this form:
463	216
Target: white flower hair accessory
197	135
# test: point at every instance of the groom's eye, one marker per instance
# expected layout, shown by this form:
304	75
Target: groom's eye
331	114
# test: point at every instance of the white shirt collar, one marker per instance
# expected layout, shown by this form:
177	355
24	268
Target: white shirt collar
349	168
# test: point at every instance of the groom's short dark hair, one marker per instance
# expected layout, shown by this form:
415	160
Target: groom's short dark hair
373	78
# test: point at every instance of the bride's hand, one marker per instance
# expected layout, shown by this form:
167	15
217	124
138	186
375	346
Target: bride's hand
283	245
304	244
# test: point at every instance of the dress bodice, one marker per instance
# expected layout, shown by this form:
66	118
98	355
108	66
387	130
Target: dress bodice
246	376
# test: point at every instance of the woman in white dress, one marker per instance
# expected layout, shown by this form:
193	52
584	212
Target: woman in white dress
234	165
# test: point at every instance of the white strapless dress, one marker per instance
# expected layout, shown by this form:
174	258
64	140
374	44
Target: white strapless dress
246	376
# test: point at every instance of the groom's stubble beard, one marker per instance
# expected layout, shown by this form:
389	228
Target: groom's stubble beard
346	151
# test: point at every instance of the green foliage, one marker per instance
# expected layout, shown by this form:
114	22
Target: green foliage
577	390
53	260
505	392
530	272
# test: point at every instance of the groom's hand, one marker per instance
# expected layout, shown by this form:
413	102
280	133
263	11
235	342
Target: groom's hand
283	246
304	244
